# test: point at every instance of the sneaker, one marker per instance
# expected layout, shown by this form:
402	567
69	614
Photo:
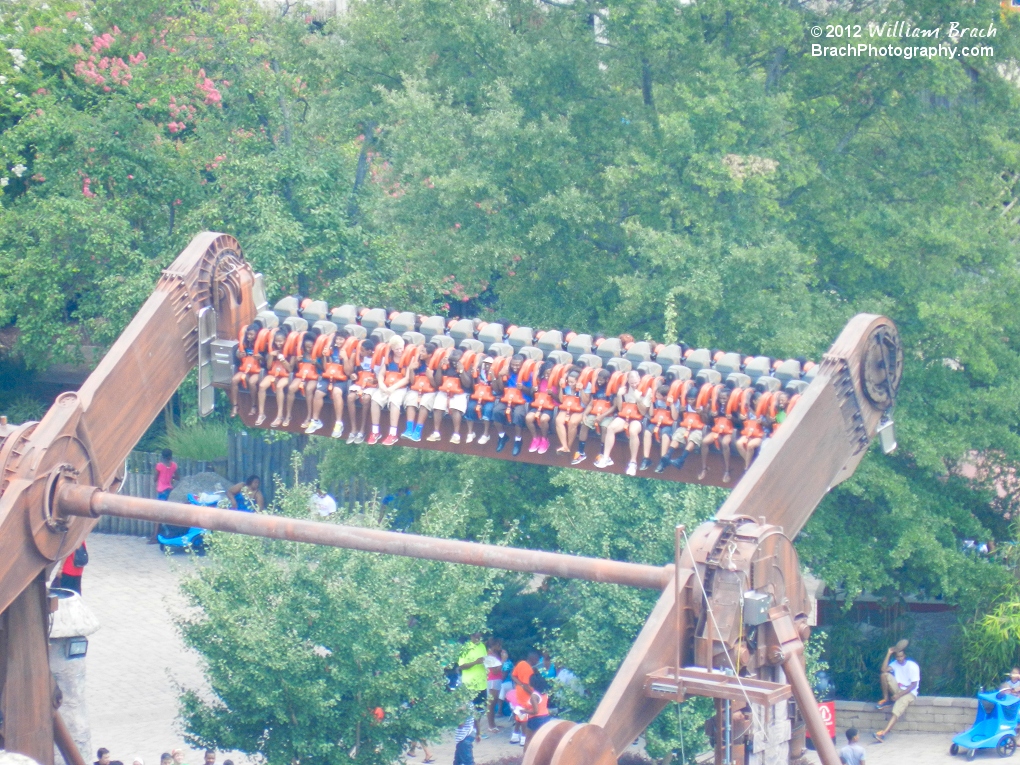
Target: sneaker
435	436
578	458
373	439
455	438
662	465
390	440
603	462
535	443
500	442
544	446
338	430
523	741
313	426
483	439
645	464
515	737
415	435
352	437
359	438
518	445
470	436
631	468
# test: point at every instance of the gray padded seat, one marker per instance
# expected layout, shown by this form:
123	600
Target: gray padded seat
295	324
325	326
560	357
357	331
619	364
382	334
462	330
767	383
670	355
521	337
699	359
442	341
796	386
345	314
269	319
708	376
286	307
728	364
738	380
433	325
413	338
403	322
317	310
491	333
811	374
551	340
757	367
609	348
581	344
470	344
787	370
589	360
679	372
650	368
639	352
531	352
374	318
501	349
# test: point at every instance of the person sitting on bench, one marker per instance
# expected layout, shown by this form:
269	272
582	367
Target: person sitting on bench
482	402
336	369
249	367
361	390
568	418
514	400
632	406
420	399
901	680
658	425
277	378
454	386
543	410
599	411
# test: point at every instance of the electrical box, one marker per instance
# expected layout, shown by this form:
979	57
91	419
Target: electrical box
756	608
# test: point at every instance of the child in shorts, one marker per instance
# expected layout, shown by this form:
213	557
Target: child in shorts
454	386
421	397
360	391
482	402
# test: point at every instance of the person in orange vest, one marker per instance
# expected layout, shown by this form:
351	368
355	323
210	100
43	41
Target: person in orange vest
361	388
421	397
514	399
455	384
568	417
544	408
631	406
721	432
482	402
538	714
277	378
690	433
658	425
599	411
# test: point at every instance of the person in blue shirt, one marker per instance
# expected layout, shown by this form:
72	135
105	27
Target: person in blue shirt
513	404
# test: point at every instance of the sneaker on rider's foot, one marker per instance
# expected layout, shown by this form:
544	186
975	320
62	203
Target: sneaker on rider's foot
544	446
483	439
603	462
455	438
359	438
535	443
578	458
518	444
373	439
338	430
500	442
470	437
631	468
390	440
352	437
435	436
645	464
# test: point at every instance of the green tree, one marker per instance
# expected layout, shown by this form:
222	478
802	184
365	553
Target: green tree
326	654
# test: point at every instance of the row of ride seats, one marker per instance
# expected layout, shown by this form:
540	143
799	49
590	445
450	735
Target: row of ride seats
475	335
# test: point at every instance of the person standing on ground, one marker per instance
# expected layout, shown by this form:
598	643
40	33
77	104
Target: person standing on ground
473	675
210	757
166	477
177	755
70	579
494	679
538	714
166	758
852	753
901	680
102	756
322	504
467	733
241	495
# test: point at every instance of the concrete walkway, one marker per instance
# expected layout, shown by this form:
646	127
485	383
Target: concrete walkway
136	662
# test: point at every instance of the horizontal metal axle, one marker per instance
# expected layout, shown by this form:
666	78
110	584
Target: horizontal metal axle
89	502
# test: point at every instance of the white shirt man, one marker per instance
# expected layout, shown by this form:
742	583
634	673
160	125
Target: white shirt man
322	503
906	673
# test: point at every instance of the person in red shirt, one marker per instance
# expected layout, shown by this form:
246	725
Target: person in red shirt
166	477
70	574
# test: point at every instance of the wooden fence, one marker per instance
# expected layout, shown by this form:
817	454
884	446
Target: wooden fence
247	455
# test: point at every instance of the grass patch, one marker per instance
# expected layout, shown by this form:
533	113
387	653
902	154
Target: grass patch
203	441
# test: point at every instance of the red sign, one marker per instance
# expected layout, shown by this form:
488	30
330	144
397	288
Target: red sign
827	710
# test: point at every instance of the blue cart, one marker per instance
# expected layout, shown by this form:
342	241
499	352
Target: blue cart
182	537
994	727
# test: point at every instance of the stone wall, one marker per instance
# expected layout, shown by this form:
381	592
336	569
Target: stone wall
929	714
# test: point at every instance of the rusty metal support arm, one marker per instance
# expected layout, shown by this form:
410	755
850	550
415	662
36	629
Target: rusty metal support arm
88	502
